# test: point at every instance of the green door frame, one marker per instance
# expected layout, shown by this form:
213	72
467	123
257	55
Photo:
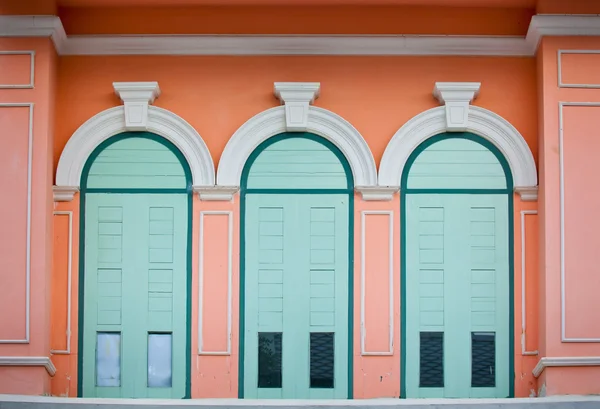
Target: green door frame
507	191
349	190
84	189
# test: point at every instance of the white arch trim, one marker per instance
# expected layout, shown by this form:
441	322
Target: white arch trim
481	122
320	122
112	122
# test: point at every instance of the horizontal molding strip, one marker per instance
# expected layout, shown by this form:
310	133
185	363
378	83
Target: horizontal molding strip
29	361
541	25
563	361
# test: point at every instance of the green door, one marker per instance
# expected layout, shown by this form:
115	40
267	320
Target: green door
296	296
457	295
134	323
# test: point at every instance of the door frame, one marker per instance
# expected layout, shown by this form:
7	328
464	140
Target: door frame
511	284
84	190
349	190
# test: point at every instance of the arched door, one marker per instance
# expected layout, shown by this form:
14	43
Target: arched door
295	274
456	270
135	265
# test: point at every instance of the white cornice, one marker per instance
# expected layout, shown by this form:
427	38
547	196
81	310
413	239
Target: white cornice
216	193
29	361
565	361
541	25
377	193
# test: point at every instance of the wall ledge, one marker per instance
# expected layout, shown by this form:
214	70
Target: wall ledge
541	25
29	361
564	361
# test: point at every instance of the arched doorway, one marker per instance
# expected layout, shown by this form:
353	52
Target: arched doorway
457	273
296	287
135	269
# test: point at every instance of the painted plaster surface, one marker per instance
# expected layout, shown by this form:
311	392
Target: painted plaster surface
377	95
580	259
15	128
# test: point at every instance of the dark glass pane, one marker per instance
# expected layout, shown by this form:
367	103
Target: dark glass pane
321	359
432	360
269	359
483	359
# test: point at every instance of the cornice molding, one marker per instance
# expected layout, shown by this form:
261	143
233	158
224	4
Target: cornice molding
563	361
29	361
541	25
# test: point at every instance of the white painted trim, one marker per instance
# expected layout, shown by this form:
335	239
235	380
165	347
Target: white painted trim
28	224
562	361
111	122
136	97
216	193
35	26
543	25
229	215
363	235
456	97
321	122
31	54
64	193
563	324
524	351
482	122
562	84
527	193
29	361
376	193
69	214
296	97
540	26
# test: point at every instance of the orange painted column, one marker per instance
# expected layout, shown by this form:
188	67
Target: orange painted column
27	88
569	95
215	295
376	298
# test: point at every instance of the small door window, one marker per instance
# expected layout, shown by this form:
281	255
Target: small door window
322	347
269	359
108	359
432	360
160	354
483	359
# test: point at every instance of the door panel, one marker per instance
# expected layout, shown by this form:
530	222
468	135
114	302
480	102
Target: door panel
296	296
457	296
135	295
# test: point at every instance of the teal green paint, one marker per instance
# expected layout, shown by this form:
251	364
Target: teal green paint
450	295
452	163
287	236
133	286
84	190
404	191
245	191
277	138
136	162
296	163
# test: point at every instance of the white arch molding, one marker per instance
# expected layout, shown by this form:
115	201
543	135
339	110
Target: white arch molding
112	122
481	122
320	122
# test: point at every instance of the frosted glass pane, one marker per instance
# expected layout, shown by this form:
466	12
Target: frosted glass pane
159	361
108	359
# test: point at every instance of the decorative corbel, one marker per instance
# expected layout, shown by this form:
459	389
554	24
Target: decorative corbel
136	97
456	96
296	96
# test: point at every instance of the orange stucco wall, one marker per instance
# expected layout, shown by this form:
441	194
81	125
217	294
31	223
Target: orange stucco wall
15	127
209	93
579	169
377	95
